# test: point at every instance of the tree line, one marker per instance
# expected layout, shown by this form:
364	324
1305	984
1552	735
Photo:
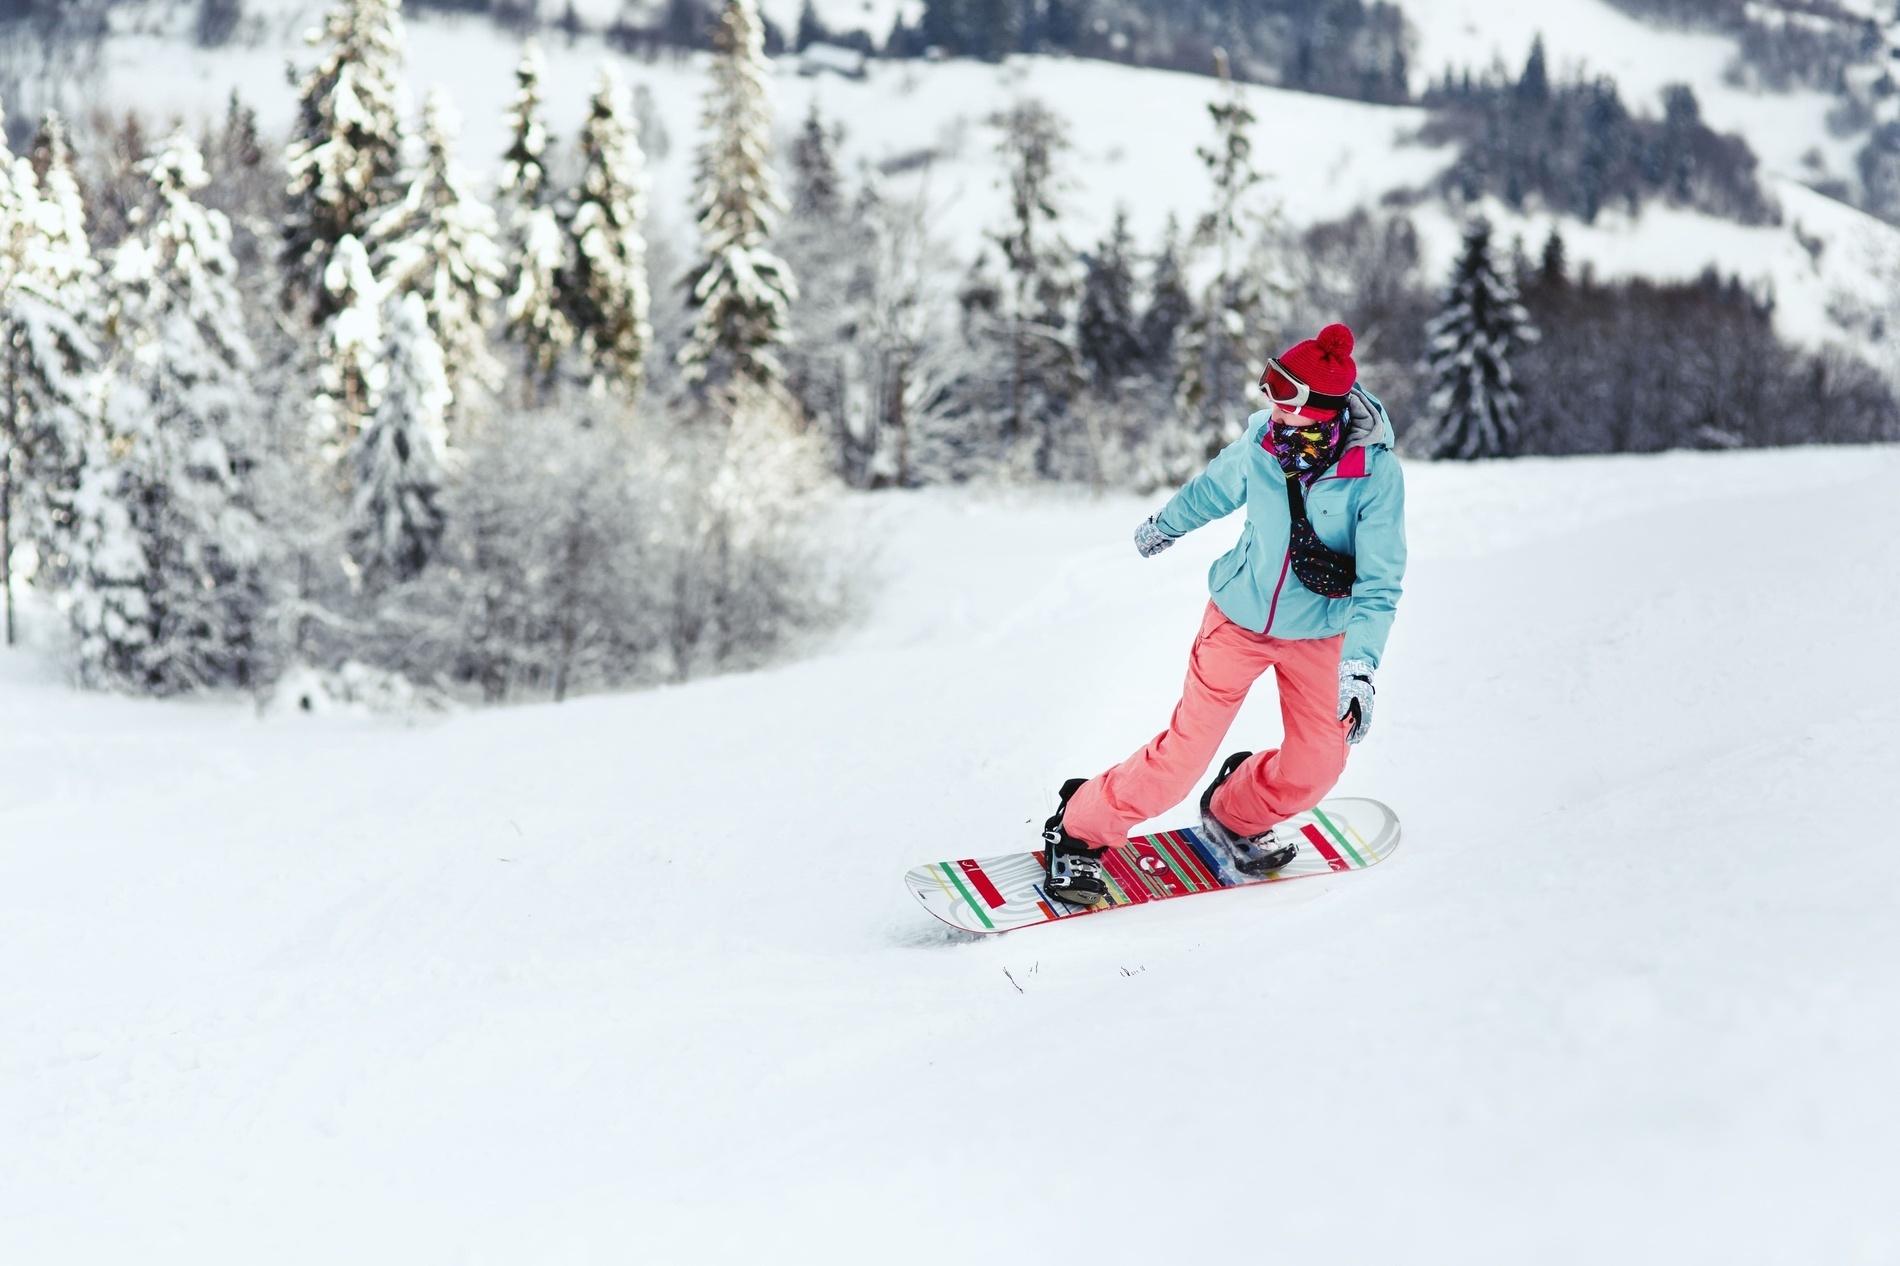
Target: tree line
321	406
1535	358
414	430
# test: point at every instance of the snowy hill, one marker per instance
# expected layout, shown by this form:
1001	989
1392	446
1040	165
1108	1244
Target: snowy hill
1135	133
1643	58
634	978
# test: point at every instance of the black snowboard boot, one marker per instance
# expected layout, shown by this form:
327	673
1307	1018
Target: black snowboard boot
1073	868
1260	854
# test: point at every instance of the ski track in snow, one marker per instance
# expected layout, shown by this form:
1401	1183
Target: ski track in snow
634	978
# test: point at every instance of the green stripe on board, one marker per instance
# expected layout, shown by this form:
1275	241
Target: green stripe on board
1190	875
965	892
1340	837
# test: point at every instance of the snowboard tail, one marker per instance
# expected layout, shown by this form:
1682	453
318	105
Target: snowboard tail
1000	894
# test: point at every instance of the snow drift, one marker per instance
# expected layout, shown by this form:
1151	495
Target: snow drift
634	977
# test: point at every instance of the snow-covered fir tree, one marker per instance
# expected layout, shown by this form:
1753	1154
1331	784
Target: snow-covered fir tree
831	245
1039	282
48	362
1108	336
1169	304
351	371
743	292
170	591
605	288
67	263
398	460
1218	345
818	188
535	254
524	175
439	242
345	153
904	349
1473	409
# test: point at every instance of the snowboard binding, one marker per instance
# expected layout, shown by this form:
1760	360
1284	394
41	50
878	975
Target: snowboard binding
1073	869
1260	854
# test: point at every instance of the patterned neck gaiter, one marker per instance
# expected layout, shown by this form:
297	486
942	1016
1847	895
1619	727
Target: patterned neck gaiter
1305	450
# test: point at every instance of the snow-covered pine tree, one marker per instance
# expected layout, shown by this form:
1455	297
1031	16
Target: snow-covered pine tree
170	589
524	175
439	242
743	292
1217	347
903	345
832	248
535	254
66	255
1472	412
1169	304
399	458
351	371
605	288
48	358
1107	334
818	189
345	153
1043	371
15	218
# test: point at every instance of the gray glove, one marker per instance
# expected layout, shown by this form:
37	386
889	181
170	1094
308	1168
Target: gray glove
1150	539
1355	697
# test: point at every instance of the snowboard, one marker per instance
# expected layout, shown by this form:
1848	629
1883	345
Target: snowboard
1000	894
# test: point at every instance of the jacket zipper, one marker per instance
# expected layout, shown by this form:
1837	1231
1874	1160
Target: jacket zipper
1275	607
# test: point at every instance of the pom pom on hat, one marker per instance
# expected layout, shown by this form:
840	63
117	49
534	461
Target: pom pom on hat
1336	342
1325	364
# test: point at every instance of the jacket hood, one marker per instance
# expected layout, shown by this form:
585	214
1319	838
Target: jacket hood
1367	423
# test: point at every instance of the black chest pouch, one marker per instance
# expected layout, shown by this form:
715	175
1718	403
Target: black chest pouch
1322	569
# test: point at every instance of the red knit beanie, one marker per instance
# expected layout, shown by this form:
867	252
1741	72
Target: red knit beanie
1325	364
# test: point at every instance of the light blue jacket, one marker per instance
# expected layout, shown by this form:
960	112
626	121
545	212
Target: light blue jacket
1357	507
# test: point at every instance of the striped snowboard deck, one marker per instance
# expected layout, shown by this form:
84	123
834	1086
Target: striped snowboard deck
1000	894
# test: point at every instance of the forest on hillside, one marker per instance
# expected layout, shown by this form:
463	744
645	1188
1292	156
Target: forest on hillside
319	404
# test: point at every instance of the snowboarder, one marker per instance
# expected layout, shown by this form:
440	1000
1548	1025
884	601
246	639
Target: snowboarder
1309	591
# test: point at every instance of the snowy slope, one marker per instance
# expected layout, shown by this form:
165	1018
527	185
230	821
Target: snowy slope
1134	130
1598	38
1135	133
634	978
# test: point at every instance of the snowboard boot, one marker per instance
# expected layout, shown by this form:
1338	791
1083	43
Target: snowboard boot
1073	869
1260	854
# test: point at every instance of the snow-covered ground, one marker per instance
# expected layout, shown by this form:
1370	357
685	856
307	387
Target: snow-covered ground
634	978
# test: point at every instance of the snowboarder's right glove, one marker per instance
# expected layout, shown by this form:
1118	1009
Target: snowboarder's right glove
1355	697
1150	539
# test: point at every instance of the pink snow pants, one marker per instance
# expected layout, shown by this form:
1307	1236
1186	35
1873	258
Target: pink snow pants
1269	788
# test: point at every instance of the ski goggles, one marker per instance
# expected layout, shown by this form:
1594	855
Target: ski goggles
1289	392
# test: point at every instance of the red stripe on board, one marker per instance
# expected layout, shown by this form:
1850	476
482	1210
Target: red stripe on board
1325	846
1157	869
1193	859
980	882
1125	875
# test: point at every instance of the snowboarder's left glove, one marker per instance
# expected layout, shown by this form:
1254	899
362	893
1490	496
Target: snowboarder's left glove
1355	697
1150	539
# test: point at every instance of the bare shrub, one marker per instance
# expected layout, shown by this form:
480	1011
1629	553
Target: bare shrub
588	549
